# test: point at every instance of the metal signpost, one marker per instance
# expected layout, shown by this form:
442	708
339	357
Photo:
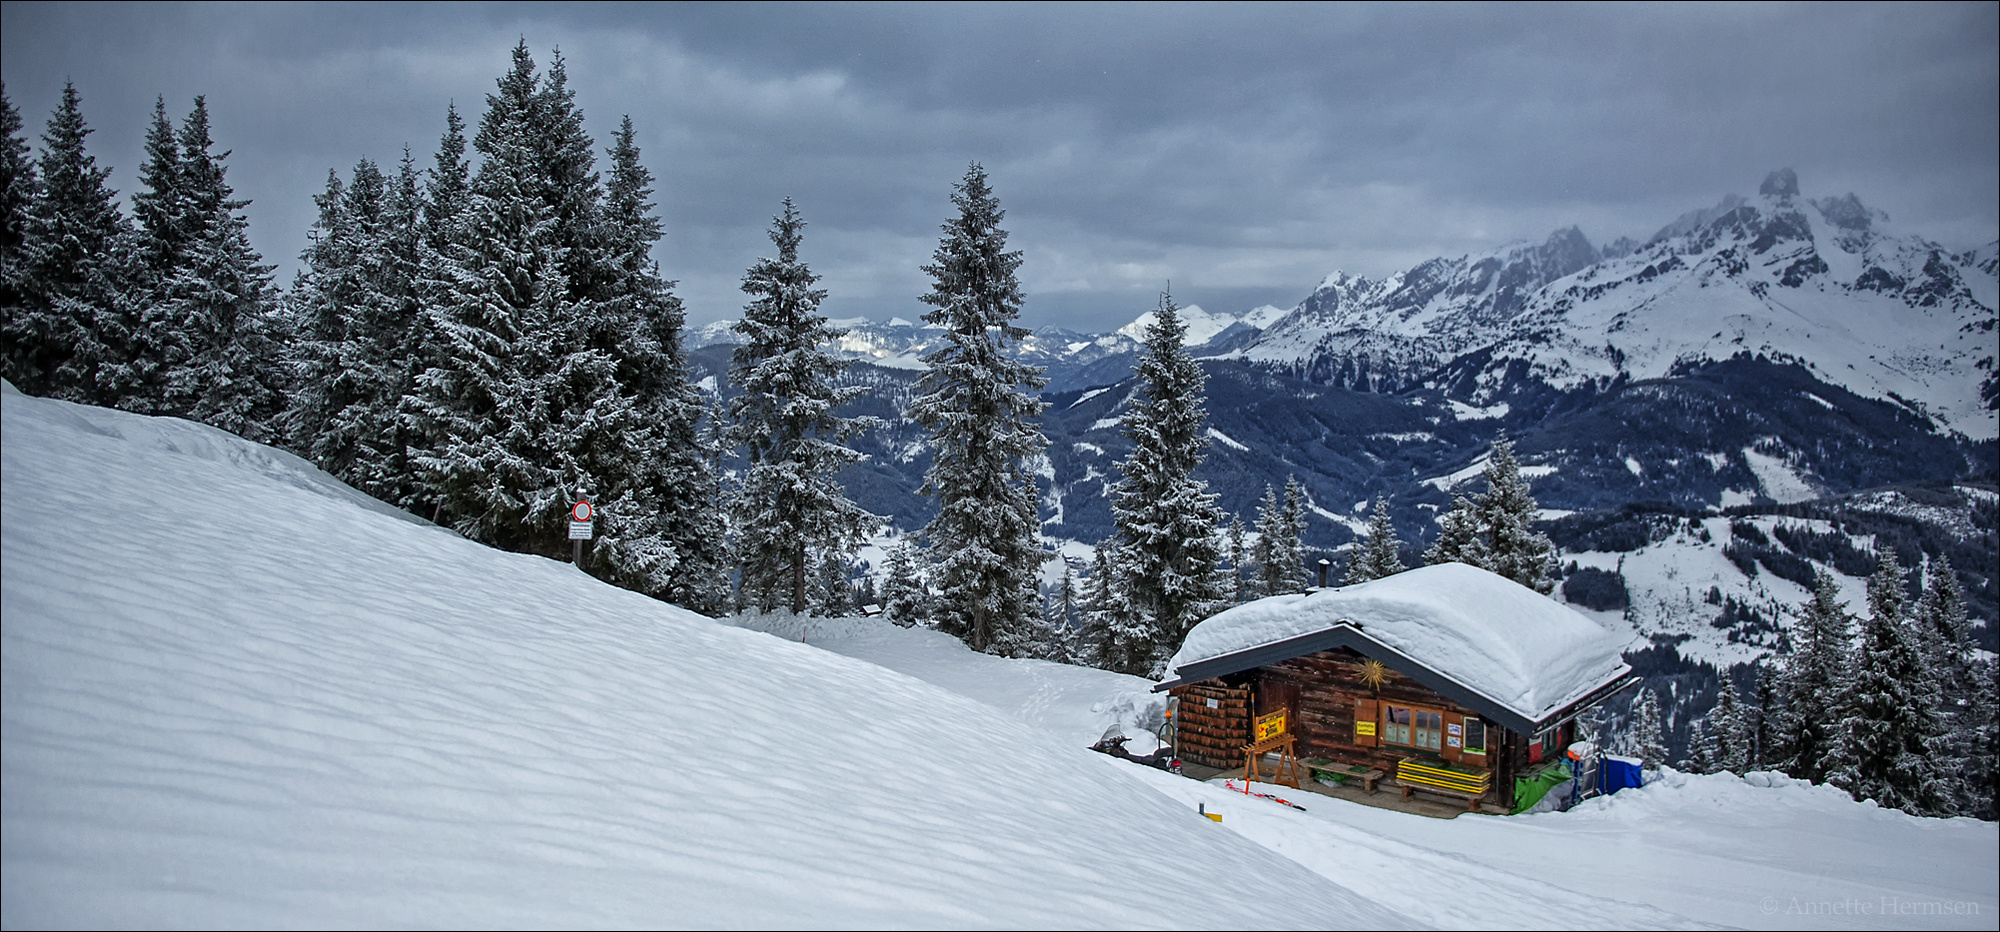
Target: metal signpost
581	526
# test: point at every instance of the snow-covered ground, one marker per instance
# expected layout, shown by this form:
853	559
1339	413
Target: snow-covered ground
237	693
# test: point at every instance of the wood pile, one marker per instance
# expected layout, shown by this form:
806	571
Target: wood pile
1213	722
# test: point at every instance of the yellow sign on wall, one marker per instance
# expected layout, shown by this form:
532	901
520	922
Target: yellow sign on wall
1364	729
1271	726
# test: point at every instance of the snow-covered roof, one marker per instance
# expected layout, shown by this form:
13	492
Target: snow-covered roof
1502	642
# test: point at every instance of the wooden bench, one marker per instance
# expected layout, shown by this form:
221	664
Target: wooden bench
1322	768
1434	777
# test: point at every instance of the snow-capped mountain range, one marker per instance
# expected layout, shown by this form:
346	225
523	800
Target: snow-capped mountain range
1828	283
1776	360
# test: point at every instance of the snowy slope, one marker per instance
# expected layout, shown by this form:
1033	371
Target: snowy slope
237	696
1759	852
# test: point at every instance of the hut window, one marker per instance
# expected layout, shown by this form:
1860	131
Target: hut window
1395	724
1416	728
1475	736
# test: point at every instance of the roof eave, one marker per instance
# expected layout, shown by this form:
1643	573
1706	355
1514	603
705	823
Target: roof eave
1350	634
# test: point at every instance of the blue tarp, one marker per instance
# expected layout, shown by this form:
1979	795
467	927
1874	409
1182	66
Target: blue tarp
1617	773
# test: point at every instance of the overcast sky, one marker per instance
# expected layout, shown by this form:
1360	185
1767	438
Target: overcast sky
1242	152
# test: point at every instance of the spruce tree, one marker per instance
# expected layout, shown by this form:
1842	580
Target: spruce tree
1280	552
17	196
444	227
1814	680
1888	745
1091	642
492	303
1061	616
1239	567
790	502
1458	539
1766	748
904	600
220	351
1734	733
64	326
1380	554
1941	620
1495	531
1644	739
1166	518
979	406
668	537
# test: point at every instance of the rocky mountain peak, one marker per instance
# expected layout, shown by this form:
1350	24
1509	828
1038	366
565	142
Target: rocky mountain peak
1780	184
1848	212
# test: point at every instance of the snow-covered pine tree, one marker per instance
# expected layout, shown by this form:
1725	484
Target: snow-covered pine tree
904	600
224	362
1280	549
1978	792
1239	554
1812	684
1263	551
492	303
445	224
1091	640
1513	548
1458	539
1940	617
1166	518
68	271
638	416
1495	531
979	405
1061	615
1888	745
790	502
1643	737
831	597
1380	554
1704	748
1965	702
17	196
1731	729
1765	745
352	308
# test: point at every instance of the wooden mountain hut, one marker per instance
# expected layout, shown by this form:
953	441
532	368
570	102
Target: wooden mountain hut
1446	679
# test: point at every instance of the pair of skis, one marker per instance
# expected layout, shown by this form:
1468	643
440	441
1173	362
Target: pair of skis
1245	790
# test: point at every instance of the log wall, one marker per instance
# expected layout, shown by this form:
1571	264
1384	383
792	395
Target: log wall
1213	737
1329	684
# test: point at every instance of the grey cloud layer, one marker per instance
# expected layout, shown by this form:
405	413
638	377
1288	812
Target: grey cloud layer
1242	152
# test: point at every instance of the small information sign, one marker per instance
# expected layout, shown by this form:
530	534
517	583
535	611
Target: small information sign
580	530
1271	726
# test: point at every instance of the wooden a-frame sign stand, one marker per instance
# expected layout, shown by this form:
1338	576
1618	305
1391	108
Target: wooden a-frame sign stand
1272	735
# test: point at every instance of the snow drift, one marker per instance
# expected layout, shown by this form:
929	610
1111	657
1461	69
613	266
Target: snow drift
238	693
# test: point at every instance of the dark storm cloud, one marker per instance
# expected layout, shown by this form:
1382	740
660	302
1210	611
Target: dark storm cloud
1241	151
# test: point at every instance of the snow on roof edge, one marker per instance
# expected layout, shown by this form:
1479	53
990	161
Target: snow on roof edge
1504	642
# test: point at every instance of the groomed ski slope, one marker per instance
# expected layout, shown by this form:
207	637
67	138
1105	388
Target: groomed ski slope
238	693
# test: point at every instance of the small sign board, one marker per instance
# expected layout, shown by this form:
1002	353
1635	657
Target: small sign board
580	530
1271	725
1364	729
580	512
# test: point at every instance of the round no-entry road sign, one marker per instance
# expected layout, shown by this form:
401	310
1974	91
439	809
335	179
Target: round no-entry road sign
580	512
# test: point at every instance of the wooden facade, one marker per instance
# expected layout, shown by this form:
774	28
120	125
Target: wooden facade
1212	723
1376	719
